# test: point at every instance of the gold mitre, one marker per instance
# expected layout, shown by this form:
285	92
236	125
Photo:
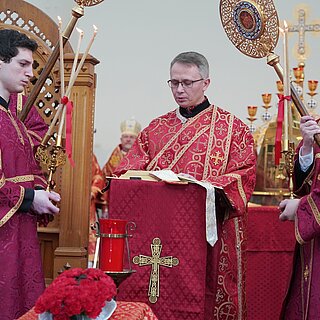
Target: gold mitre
131	126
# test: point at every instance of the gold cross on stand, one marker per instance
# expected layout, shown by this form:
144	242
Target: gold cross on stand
216	158
155	261
302	28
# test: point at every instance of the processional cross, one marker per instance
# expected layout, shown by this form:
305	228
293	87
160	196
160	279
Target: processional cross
302	28
155	261
253	27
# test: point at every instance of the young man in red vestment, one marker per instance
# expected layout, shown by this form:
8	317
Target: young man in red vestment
302	300
212	145
23	201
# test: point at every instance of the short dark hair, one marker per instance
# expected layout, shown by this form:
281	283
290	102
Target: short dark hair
11	40
193	58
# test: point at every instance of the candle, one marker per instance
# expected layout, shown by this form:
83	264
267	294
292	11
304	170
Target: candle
61	126
73	79
286	87
75	61
61	56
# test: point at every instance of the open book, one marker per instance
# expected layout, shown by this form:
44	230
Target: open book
170	177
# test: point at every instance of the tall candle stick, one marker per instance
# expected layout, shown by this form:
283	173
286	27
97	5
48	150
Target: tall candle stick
61	56
286	87
75	61
61	126
73	79
288	94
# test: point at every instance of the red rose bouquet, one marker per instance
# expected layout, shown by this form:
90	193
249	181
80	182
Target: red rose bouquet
77	292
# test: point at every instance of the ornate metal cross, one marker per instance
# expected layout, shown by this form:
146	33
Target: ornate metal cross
302	28
155	261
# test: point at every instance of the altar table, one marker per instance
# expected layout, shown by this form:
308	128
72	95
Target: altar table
124	311
270	250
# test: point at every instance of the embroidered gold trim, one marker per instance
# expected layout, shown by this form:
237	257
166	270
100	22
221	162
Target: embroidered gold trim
14	209
14	123
209	148
310	277
301	282
41	179
228	144
239	267
32	133
314	208
297	234
240	187
3	108
305	304
19	103
17	179
2	181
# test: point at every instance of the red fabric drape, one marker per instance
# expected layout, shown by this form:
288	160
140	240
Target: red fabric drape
176	215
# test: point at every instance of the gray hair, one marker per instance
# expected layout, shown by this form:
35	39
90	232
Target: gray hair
193	58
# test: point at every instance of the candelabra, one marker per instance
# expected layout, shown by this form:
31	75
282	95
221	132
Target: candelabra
299	75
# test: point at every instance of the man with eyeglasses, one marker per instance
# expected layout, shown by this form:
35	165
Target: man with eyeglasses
210	144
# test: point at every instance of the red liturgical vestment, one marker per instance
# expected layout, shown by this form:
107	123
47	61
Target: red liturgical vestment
114	160
212	146
21	277
111	165
302	301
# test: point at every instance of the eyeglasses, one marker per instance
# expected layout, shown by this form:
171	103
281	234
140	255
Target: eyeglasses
185	83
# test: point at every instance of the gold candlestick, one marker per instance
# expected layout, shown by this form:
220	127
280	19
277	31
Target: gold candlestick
252	112
289	163
312	85
298	73
266	98
312	103
280	87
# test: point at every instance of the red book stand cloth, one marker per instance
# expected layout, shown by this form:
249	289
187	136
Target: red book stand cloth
176	215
